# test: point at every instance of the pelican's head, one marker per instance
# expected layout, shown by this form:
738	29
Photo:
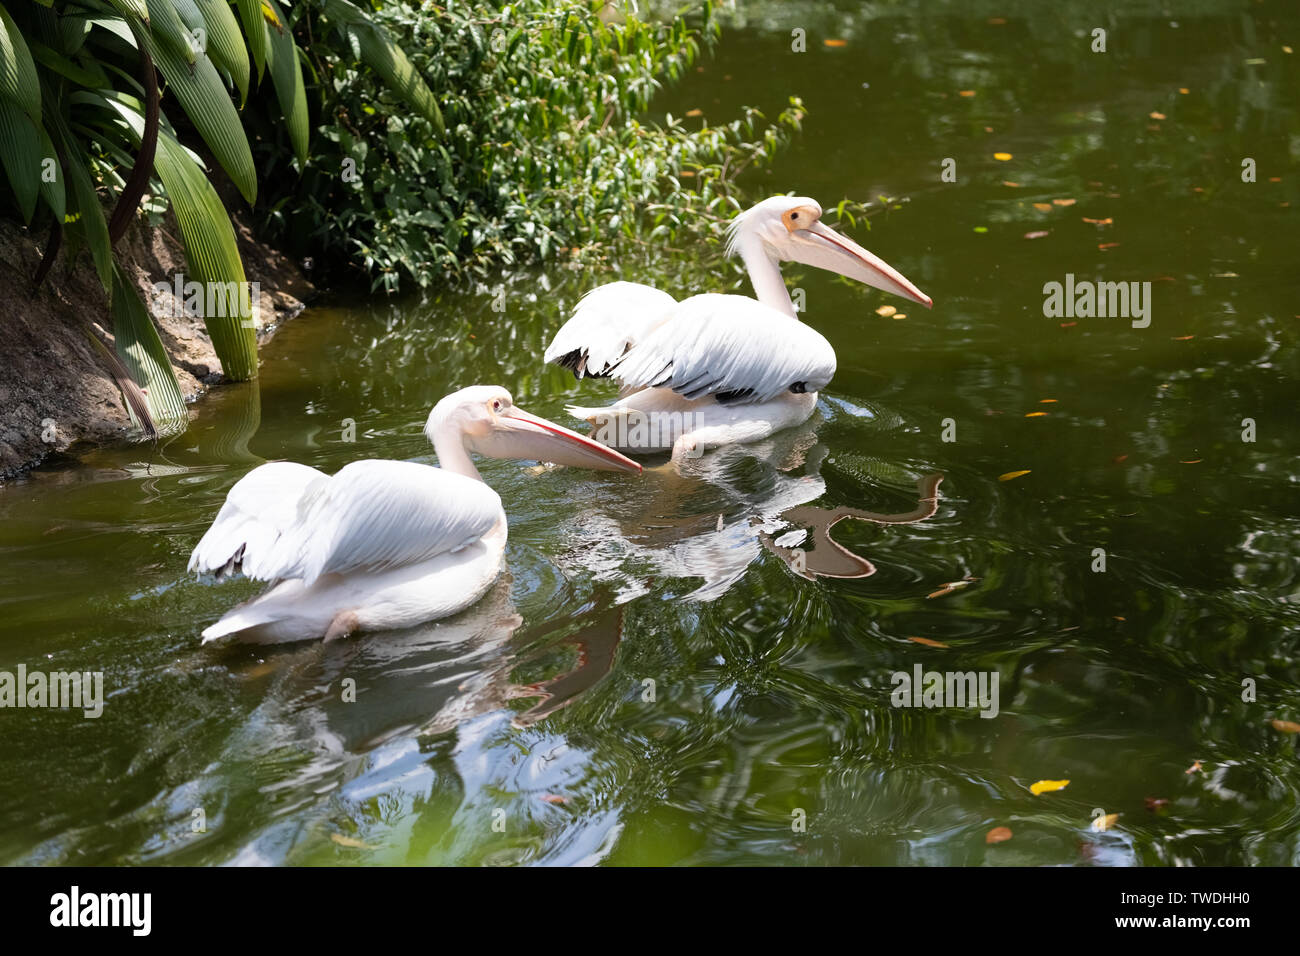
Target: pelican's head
486	420
789	229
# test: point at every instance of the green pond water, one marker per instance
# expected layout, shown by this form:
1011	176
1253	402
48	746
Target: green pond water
652	682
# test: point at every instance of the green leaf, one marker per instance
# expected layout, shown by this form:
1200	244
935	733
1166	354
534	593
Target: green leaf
20	152
165	27
142	352
225	43
381	54
250	12
52	187
286	73
212	255
18	81
85	216
207	103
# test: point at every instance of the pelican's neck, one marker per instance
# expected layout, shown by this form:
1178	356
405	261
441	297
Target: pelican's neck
765	276
449	446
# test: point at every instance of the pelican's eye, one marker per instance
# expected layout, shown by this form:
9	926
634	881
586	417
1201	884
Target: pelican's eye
801	217
496	404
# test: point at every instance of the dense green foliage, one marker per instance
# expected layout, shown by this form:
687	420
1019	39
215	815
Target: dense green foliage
411	142
545	148
86	87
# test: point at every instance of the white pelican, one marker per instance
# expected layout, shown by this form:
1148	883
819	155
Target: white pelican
381	544
717	369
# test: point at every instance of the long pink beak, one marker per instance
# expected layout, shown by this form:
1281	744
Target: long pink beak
521	434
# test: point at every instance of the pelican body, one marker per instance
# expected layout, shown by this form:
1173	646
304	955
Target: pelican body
717	369
381	544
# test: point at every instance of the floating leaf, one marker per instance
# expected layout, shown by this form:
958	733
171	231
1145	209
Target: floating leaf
1002	157
981	229
695	112
1007	182
927	642
1157	116
1048	786
965	92
1043	206
900	315
348	841
1035	414
836	43
1099	222
554	798
1047	401
1192	461
1183	338
997	835
1184	90
886	311
1103	246
1013	474
1064	202
1039	234
1285	726
1194	768
1103	823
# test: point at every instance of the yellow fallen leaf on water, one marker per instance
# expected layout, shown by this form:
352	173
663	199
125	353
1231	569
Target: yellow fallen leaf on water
1048	786
1007	182
965	92
1184	90
1156	116
1103	246
1064	202
1099	222
886	310
1285	726
836	43
1035	414
1194	768
695	112
1103	823
1013	474
1193	461
348	841
998	835
900	315
1047	401
1043	206
1002	157
927	642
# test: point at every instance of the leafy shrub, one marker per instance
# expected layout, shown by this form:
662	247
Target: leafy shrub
544	151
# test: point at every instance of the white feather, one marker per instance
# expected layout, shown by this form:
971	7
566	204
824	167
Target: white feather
257	509
373	515
733	345
606	322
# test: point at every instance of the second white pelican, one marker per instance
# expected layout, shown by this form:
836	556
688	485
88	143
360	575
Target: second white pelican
381	544
717	369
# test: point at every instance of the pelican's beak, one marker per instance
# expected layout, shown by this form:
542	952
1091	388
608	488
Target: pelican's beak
520	434
819	245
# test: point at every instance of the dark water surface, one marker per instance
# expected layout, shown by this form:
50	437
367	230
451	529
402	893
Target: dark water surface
650	684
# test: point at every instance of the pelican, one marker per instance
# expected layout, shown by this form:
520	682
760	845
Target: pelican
717	369
381	544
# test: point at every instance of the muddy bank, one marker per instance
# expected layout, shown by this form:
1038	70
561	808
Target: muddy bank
55	390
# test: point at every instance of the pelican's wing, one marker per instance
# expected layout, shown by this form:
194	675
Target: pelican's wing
259	506
608	321
731	347
377	514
